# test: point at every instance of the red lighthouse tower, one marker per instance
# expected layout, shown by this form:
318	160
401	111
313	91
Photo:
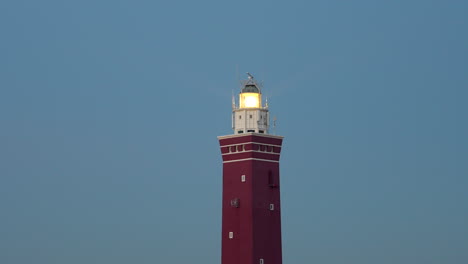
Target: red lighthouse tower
251	228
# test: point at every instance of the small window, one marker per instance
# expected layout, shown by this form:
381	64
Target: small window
250	130
271	180
240	117
231	235
240	131
261	131
243	178
272	207
250	116
261	261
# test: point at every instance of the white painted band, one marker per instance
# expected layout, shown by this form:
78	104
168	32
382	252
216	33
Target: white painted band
243	143
244	151
229	161
250	134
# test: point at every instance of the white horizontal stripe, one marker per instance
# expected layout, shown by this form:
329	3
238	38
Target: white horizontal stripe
243	143
229	161
229	153
250	134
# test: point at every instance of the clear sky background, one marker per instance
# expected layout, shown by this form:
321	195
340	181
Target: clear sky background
109	113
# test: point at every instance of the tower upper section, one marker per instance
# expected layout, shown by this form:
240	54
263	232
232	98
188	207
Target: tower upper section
250	115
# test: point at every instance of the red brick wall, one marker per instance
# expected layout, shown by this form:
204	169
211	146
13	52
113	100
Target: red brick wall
257	229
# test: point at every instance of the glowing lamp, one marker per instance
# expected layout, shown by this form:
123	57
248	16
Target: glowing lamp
249	100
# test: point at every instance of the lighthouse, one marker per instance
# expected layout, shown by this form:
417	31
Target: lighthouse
251	209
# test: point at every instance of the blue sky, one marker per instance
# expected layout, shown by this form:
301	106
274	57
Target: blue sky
109	114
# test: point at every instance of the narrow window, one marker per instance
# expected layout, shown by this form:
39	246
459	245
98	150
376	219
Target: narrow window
250	130
261	261
261	131
243	178
272	207
231	235
240	131
271	180
250	116
240	117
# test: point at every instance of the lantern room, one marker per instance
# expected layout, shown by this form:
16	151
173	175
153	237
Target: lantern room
251	116
250	96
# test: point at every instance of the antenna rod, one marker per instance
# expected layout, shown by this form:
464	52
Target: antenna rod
233	101
274	125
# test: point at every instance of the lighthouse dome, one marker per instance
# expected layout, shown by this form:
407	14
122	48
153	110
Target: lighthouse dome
250	88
